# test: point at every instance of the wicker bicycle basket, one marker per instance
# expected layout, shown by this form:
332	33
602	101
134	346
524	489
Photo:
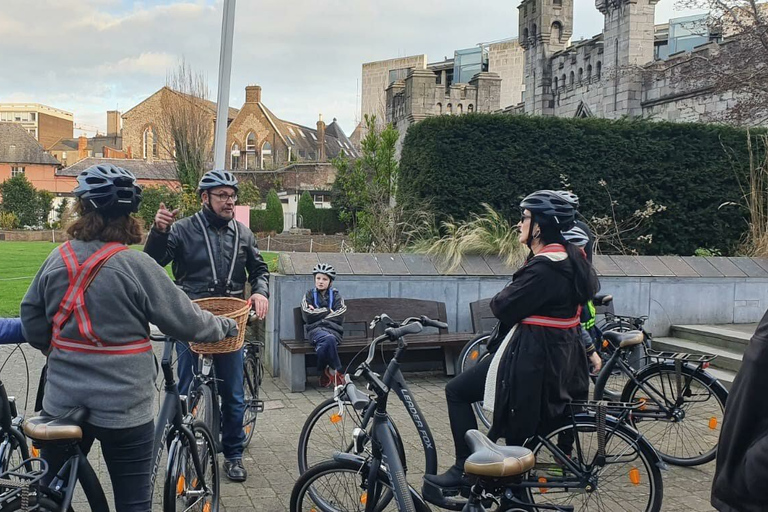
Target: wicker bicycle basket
237	310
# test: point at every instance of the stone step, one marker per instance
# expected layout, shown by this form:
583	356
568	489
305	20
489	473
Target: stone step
726	359
715	335
724	376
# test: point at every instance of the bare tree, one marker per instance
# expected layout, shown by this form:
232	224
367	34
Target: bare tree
735	69
186	126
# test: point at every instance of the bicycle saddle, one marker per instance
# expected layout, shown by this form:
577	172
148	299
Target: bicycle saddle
624	339
57	428
602	300
492	460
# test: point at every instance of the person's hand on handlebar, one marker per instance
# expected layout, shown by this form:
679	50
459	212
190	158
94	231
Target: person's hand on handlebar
596	362
260	304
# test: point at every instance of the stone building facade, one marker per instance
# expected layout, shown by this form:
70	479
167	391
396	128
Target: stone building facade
611	75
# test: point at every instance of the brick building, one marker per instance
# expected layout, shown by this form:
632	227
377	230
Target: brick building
20	153
148	173
256	138
46	124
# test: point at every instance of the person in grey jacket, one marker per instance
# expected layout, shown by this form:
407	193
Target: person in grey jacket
212	255
89	308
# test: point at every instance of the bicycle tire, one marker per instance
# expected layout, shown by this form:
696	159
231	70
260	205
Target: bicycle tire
45	504
252	375
710	418
473	352
181	477
201	407
356	470
326	413
545	469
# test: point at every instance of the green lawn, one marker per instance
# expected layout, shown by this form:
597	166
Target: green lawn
20	261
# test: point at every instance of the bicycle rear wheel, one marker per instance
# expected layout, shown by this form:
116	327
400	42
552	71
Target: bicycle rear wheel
473	352
341	486
252	376
688	434
185	489
628	479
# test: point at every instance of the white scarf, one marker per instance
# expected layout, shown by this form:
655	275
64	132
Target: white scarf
489	396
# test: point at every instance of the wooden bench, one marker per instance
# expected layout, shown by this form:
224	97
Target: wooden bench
357	335
482	317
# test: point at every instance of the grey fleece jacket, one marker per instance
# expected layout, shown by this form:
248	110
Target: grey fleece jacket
128	293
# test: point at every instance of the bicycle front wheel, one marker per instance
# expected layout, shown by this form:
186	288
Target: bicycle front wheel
627	479
681	415
473	352
252	375
341	486
201	407
327	429
186	489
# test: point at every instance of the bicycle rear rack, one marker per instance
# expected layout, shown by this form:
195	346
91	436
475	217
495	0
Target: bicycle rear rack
679	356
19	481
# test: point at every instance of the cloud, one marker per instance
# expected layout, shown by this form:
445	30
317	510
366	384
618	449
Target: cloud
89	56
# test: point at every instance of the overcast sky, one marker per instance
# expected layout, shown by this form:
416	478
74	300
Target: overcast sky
90	56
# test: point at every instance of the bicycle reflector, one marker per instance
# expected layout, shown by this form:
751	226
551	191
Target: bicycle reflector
542	480
634	476
712	423
605	343
474	354
180	485
364	498
335	418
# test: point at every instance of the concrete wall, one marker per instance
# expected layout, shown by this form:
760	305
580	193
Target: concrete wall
508	61
669	290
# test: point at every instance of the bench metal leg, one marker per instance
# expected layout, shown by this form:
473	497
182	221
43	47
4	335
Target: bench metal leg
293	371
451	355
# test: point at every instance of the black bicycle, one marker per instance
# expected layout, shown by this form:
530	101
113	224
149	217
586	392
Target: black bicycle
13	444
682	404
603	459
253	374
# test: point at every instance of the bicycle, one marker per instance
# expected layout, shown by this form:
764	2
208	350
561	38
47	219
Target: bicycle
340	417
253	374
13	445
192	472
375	471
675	392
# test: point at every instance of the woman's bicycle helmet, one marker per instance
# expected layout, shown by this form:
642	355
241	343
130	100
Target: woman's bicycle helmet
324	268
108	189
550	208
213	179
576	236
570	197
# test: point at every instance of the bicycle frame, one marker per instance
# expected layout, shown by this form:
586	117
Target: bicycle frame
11	435
171	422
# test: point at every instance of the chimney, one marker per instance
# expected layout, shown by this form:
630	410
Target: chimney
82	147
113	123
320	139
253	94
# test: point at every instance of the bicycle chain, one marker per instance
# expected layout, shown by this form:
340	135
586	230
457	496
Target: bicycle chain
24	488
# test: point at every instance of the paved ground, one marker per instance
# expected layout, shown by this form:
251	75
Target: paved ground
271	458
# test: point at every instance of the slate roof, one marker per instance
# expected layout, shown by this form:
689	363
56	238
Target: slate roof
17	146
142	169
210	105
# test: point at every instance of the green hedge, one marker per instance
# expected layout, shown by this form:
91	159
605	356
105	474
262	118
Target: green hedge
271	219
326	221
458	162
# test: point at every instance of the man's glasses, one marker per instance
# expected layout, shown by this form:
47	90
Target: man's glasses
223	197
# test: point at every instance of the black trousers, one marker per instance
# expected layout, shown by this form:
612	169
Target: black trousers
128	454
461	392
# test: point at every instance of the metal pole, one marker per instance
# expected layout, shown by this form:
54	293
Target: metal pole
225	72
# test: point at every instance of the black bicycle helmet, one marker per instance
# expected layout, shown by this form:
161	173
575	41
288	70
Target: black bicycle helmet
550	208
213	179
570	197
109	189
324	268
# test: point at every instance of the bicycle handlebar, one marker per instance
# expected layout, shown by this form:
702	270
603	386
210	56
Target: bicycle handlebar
359	400
428	322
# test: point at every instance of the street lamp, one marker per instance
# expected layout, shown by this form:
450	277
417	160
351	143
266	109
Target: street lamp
225	72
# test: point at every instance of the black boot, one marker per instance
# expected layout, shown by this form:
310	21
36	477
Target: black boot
235	471
449	482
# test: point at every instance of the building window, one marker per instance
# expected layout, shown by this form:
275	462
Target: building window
32	116
313	136
599	69
470	108
235	156
266	155
581	74
440	108
572	77
533	28
250	151
557	3
589	72
554	83
16	171
556	33
533	10
450	109
320	198
149	143
562	80
460	109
